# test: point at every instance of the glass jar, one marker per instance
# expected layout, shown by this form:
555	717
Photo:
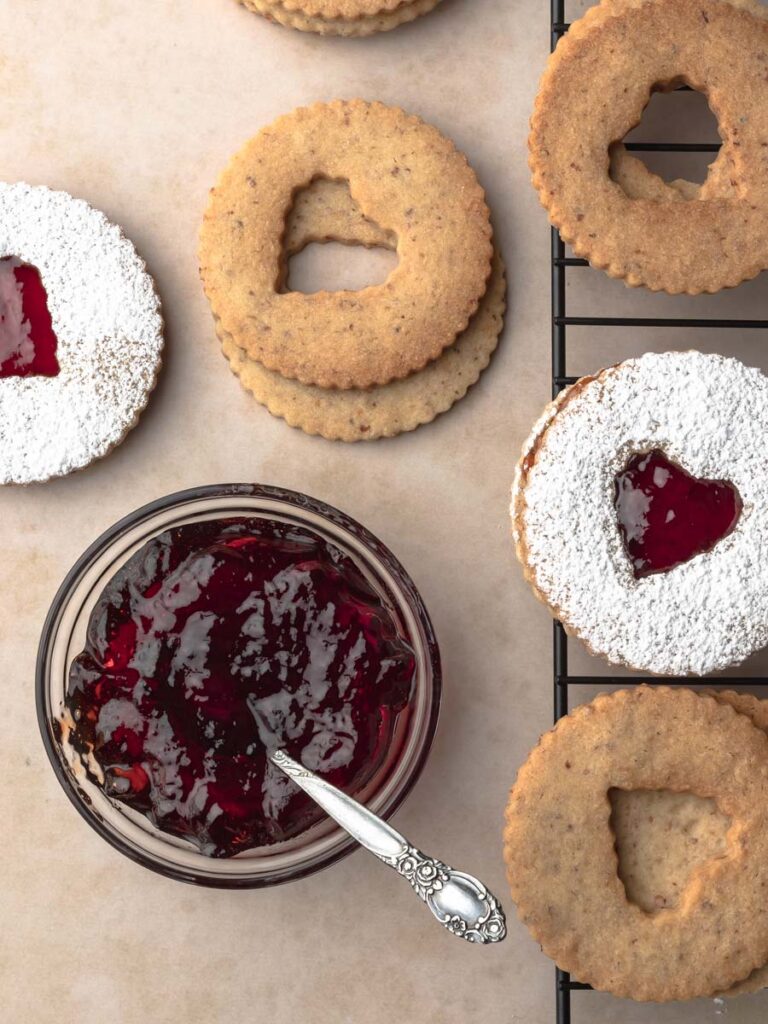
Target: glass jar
63	638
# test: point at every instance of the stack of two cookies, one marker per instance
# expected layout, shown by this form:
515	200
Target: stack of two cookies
353	365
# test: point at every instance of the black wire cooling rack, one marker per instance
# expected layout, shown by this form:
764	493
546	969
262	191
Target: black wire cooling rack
561	264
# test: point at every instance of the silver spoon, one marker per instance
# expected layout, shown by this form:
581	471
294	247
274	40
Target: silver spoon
458	901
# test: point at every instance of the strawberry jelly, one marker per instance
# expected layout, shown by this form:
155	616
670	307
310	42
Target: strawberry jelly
666	516
219	641
27	339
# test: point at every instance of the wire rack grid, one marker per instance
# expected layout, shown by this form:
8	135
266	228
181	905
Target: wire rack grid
561	265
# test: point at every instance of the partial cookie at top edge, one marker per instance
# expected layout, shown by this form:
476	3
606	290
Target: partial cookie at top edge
364	25
638	241
349	9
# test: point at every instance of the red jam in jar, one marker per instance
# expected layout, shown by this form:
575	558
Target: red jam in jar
27	339
218	641
666	516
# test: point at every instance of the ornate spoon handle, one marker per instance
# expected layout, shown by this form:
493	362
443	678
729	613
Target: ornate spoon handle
458	901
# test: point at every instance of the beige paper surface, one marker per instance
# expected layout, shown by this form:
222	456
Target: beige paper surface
136	105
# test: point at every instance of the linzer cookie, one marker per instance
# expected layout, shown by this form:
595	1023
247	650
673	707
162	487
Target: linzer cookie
561	858
341	17
644	233
325	211
406	178
640	512
80	334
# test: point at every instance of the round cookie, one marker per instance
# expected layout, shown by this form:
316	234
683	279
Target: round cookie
326	25
718	48
105	315
323	211
406	177
708	414
561	860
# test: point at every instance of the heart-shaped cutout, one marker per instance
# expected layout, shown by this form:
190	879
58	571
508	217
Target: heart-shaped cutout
669	176
339	266
27	339
666	516
330	245
661	837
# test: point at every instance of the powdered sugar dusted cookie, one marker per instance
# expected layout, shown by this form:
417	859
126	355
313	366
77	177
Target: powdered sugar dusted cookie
640	512
80	334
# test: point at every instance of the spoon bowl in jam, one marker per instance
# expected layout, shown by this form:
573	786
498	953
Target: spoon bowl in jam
203	632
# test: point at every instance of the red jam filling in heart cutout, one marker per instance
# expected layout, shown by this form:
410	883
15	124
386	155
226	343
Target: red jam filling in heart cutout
27	340
666	516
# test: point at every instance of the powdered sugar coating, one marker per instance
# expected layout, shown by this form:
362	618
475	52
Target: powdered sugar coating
106	316
708	413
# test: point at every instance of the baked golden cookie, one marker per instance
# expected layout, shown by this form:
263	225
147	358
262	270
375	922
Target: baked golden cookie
625	50
330	19
561	859
407	178
326	211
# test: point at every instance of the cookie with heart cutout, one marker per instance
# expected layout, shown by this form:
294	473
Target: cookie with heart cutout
341	17
626	51
406	177
81	334
560	851
669	581
326	211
